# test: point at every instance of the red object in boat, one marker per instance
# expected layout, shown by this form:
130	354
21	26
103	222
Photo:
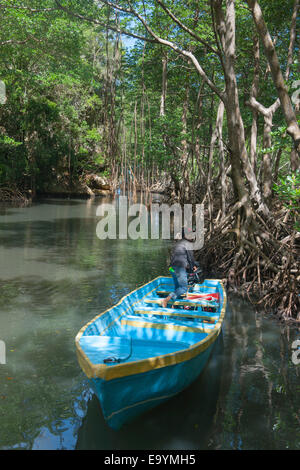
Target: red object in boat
203	296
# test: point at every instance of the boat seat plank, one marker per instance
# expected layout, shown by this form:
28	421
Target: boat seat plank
161	323
164	292
170	313
186	302
190	295
97	348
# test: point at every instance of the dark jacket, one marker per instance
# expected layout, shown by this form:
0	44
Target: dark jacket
182	256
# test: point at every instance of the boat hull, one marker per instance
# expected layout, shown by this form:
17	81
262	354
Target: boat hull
124	399
131	388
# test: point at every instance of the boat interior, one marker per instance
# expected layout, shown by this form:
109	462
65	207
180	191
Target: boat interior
139	327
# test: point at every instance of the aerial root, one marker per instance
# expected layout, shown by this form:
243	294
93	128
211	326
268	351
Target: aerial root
13	195
260	262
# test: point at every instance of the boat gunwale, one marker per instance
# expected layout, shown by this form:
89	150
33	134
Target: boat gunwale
110	372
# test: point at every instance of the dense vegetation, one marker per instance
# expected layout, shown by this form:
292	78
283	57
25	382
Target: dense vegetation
198	98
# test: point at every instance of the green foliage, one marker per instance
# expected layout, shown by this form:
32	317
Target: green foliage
288	191
68	100
8	141
280	141
52	120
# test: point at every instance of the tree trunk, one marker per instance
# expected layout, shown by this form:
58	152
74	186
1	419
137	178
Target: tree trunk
184	144
197	127
254	93
217	133
288	111
267	159
219	127
163	97
236	135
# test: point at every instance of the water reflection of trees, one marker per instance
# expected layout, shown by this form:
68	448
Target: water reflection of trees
42	389
258	406
252	403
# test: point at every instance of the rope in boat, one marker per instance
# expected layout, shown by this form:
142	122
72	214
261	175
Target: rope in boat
117	360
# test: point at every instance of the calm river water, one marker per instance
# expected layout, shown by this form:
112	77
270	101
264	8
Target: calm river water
56	275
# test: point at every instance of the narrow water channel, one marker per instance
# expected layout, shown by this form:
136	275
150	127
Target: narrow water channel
55	276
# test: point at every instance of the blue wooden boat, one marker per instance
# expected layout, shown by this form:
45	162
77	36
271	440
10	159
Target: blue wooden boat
138	354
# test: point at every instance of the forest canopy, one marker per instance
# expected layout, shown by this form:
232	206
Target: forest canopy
197	98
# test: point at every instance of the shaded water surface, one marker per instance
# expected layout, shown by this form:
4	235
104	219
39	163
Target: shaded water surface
56	275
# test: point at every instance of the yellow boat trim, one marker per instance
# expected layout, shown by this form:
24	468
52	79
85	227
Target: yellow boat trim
83	359
165	397
107	372
123	313
162	326
163	292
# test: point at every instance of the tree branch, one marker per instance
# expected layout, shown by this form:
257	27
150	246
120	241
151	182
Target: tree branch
180	51
186	29
13	41
254	104
165	42
32	10
292	126
99	23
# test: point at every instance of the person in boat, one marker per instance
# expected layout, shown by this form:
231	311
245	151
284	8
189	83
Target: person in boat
182	262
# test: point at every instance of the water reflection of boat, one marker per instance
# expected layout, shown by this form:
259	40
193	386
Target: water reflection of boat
184	422
138	354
